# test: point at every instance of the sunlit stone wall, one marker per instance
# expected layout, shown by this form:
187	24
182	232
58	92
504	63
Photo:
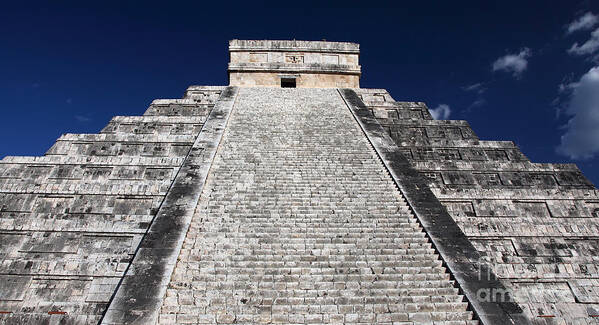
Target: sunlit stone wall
312	64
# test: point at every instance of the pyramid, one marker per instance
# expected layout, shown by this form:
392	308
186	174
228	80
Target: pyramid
293	196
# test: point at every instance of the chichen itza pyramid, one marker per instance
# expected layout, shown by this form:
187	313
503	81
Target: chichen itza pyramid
294	196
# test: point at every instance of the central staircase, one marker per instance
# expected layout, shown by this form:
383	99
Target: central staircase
299	222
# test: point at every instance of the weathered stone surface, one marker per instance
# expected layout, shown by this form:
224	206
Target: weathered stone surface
263	63
299	222
71	221
461	257
321	206
139	297
535	225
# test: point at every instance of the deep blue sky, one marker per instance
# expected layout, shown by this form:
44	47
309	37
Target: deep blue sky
70	67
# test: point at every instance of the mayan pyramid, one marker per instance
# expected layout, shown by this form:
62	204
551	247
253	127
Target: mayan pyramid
293	196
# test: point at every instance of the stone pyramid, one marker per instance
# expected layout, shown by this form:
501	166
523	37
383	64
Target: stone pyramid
293	196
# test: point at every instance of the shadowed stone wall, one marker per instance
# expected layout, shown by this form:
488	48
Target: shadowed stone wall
535	224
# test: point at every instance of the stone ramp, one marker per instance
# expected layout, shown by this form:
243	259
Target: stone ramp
299	222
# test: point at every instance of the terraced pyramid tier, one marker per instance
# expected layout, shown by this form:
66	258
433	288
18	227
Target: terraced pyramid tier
299	222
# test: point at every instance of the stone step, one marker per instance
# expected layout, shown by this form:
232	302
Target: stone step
329	267
160	185
115	149
179	107
158	119
75	222
133	138
311	278
77	203
155	125
94	160
271	238
80	188
324	242
45	318
122	144
360	271
297	230
319	318
299	222
203	94
269	296
14	173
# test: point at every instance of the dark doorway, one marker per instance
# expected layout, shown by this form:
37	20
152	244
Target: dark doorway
287	82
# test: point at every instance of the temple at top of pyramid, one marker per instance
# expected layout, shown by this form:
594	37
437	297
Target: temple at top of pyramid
258	203
301	64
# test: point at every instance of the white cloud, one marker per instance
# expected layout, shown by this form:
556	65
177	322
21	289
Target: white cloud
581	139
514	63
589	47
477	87
584	22
478	103
441	112
82	119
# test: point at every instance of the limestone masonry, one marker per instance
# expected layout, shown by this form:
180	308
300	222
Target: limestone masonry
293	196
307	64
